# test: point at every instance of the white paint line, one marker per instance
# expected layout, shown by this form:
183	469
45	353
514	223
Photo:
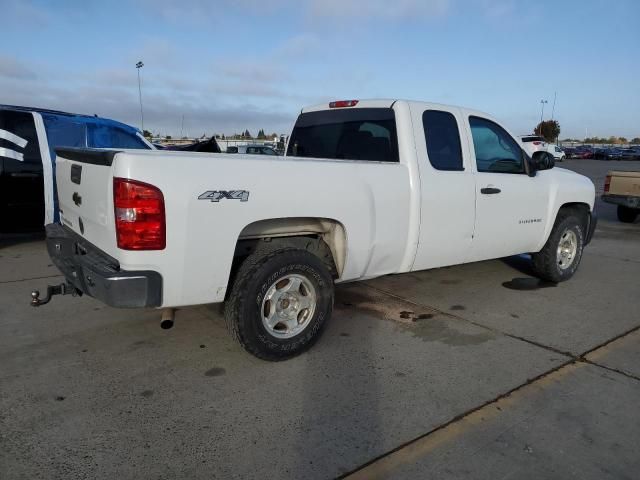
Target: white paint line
13	138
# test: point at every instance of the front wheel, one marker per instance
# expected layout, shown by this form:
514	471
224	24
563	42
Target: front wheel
626	214
279	303
559	258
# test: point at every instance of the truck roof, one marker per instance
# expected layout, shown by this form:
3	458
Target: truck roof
92	118
387	103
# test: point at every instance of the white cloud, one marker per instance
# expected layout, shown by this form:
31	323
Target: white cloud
385	9
11	67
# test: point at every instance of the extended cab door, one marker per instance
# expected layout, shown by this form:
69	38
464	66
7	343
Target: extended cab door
511	207
447	187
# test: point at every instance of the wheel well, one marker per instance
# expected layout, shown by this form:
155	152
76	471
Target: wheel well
581	210
324	237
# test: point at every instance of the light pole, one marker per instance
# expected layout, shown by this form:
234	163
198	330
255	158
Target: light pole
542	102
139	65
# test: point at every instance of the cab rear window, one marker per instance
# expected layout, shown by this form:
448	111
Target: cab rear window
346	134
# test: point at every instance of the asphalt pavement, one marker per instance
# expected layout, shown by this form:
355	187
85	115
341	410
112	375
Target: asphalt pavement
468	372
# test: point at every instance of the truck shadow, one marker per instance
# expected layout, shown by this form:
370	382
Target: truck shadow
10	239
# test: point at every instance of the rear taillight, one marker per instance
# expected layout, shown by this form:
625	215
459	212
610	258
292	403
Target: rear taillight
343	103
537	143
139	212
607	183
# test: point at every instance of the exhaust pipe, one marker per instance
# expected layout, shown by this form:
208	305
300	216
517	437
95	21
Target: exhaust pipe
167	319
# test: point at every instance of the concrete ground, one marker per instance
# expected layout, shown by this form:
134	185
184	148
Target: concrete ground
475	371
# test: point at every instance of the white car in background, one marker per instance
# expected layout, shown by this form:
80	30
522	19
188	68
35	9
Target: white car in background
557	152
532	143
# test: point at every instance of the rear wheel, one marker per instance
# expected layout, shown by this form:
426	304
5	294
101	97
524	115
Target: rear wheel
560	257
279	303
627	215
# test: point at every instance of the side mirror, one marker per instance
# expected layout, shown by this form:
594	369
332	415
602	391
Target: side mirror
543	160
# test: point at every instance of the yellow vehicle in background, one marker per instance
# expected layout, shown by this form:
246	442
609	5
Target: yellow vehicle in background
623	189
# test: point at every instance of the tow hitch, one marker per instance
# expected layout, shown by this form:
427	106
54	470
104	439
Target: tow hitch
62	289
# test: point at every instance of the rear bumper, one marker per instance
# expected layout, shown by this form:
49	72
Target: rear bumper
97	274
624	200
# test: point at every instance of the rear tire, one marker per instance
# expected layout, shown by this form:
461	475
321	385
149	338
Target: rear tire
626	214
560	257
279	303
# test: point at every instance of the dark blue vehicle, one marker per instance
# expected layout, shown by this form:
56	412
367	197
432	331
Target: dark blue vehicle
28	138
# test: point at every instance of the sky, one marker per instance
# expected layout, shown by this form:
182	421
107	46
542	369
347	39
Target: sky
226	66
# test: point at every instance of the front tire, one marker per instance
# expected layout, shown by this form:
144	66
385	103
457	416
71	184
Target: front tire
560	257
279	303
626	214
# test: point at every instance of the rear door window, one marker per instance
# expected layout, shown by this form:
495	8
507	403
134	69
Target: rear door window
532	138
443	140
105	136
346	134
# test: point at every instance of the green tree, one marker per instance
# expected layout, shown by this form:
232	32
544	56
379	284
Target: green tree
147	134
635	140
168	137
261	134
246	134
549	130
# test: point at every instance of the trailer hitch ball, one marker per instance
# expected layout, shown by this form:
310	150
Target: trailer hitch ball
168	317
52	290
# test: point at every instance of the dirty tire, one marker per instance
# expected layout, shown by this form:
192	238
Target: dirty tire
545	262
243	308
627	215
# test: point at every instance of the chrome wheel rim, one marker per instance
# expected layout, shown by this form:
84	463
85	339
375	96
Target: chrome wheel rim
288	306
567	249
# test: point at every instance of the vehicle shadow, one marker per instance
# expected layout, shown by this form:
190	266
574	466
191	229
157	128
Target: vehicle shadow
10	239
521	263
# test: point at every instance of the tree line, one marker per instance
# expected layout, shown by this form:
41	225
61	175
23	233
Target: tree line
550	131
246	135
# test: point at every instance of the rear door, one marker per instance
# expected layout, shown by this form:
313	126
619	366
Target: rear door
510	206
448	196
21	184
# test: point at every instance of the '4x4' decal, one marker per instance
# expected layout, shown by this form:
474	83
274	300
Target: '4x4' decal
217	195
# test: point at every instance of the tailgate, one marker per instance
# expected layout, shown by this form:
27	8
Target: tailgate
85	183
625	183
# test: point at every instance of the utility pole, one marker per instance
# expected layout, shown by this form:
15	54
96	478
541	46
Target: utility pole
542	102
139	65
553	109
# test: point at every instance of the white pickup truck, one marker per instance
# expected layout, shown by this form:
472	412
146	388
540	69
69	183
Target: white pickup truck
367	188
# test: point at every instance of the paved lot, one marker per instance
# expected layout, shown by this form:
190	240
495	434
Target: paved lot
476	371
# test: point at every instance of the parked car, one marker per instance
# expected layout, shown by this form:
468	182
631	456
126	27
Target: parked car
210	145
623	189
367	188
557	152
28	138
583	152
533	143
252	150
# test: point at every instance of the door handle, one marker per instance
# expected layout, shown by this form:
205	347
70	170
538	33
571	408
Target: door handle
77	199
490	190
